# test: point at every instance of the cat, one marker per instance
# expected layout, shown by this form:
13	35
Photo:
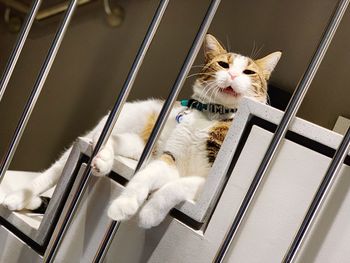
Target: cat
187	147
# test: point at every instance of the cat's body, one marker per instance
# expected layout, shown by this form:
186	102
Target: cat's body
186	148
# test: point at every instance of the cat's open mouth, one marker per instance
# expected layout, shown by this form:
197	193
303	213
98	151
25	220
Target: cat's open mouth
230	91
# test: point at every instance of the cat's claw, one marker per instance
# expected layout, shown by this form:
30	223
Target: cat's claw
123	208
102	163
17	200
150	217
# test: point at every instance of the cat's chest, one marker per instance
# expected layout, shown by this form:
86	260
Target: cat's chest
196	140
193	124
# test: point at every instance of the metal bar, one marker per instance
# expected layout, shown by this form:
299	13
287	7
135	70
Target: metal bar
44	13
320	196
39	83
57	9
22	37
163	115
282	128
107	129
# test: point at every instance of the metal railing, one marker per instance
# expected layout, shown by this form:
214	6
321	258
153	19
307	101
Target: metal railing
163	115
72	206
40	81
291	110
282	128
47	12
320	196
22	37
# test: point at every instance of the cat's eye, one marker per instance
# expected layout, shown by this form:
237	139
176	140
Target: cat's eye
223	64
249	72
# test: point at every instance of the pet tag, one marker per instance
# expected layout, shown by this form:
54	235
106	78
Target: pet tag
179	117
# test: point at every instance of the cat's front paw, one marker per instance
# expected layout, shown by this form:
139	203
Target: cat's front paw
2	195
150	217
17	200
102	163
123	208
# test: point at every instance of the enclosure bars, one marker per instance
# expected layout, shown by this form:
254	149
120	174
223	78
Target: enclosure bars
39	83
163	115
73	204
282	128
22	37
320	196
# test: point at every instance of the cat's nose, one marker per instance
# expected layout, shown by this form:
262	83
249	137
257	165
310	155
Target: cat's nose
233	75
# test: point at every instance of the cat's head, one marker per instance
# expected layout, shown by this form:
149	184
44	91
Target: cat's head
227	77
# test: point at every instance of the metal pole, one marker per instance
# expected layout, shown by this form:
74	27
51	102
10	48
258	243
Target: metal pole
22	37
163	115
107	129
39	83
320	196
282	128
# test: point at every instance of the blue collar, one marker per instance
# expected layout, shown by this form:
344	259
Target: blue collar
213	108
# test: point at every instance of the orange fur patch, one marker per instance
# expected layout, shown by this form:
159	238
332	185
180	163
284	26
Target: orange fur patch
148	127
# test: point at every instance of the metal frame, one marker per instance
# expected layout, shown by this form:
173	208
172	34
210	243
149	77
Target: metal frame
72	206
163	115
22	37
320	196
39	83
282	128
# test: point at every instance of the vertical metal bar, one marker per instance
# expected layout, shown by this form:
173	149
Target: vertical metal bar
163	115
282	128
72	206
320	196
39	83
22	37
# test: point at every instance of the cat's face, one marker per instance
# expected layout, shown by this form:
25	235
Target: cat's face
227	77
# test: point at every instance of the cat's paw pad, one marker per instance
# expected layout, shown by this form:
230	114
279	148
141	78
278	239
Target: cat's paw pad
123	208
17	200
150	217
102	163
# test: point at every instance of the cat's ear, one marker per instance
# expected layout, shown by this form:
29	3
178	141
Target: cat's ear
212	47
268	63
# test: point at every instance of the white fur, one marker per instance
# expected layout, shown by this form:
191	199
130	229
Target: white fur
170	183
187	143
163	200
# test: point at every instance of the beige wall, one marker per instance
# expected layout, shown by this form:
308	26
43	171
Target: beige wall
95	58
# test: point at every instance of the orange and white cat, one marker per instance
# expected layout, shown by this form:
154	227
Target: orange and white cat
187	146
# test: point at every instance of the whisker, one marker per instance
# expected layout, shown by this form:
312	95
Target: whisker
200	73
253	49
228	44
198	66
206	90
259	50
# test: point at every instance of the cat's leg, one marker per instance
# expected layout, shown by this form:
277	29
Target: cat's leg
103	161
27	197
154	176
167	197
129	145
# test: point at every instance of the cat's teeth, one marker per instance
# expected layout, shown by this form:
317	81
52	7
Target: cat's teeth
230	91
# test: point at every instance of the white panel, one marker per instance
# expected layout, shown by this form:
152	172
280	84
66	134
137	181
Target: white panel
283	199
